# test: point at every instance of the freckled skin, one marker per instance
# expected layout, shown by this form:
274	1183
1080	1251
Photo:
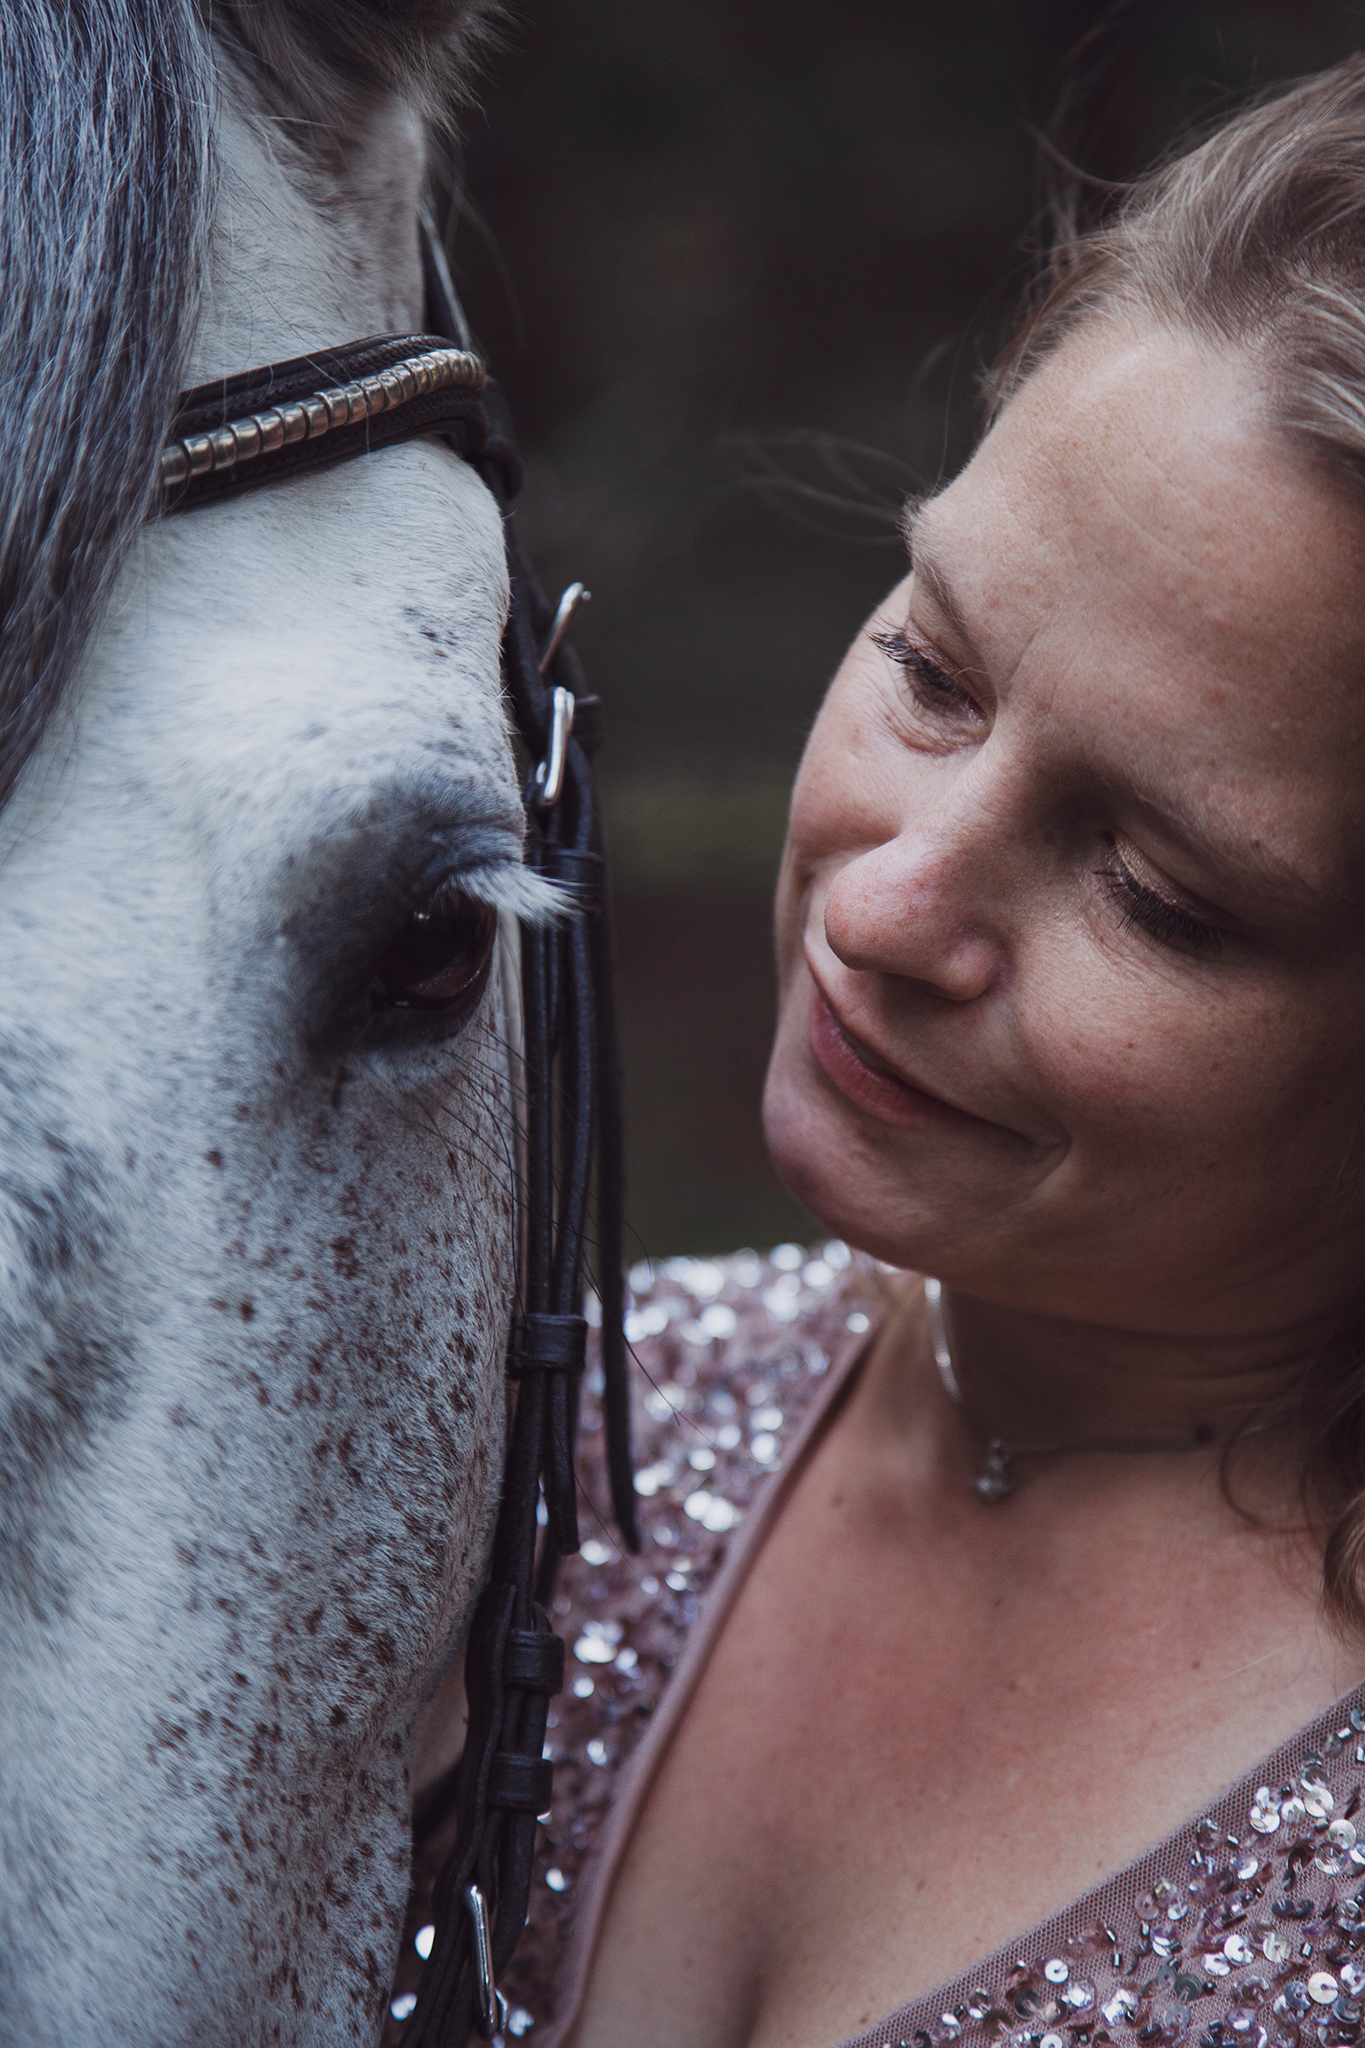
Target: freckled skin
1135	1165
251	1325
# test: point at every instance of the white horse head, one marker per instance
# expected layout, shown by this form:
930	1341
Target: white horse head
255	1214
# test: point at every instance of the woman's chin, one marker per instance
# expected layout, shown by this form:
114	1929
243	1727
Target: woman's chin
913	1199
831	1171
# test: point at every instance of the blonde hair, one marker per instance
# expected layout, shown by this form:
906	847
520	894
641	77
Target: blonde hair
1254	240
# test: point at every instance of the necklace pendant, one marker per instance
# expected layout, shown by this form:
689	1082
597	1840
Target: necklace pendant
995	1481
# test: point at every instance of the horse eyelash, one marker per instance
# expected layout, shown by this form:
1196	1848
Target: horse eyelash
532	898
1165	922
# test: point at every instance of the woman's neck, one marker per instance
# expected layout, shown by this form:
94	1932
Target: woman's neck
1032	1379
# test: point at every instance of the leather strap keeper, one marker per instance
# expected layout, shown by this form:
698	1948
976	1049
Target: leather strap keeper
547	1344
523	1784
533	1661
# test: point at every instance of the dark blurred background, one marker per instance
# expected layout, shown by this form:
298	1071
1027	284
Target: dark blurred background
739	267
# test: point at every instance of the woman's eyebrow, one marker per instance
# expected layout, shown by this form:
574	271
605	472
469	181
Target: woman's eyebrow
927	570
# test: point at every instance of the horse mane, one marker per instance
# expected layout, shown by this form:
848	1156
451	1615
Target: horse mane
103	219
106	203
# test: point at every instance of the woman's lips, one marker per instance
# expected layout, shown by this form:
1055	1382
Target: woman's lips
861	1076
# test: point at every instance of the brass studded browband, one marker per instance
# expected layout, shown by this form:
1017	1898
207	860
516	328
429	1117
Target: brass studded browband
372	392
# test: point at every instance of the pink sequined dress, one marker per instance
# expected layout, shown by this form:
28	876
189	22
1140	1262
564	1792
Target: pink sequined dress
1245	1928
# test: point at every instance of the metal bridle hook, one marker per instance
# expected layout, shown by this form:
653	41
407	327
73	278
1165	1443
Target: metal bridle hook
492	2004
574	596
550	773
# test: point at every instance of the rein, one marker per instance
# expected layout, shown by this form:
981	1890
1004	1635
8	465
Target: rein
279	421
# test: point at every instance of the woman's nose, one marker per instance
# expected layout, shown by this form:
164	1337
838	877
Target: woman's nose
922	907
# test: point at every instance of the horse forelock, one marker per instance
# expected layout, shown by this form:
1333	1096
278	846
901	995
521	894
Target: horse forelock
106	205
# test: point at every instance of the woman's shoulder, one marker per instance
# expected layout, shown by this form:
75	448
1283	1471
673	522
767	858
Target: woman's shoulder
731	1357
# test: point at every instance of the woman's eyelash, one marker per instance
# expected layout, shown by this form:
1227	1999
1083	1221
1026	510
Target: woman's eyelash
932	679
1165	922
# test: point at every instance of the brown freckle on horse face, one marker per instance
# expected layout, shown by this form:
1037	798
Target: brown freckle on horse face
344	1257
215	1158
246	1309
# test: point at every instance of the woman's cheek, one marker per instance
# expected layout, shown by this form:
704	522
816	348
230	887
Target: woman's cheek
1143	1068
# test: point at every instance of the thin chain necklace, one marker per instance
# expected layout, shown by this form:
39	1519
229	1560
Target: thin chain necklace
997	1478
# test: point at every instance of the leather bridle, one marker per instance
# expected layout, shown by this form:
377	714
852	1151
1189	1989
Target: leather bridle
307	413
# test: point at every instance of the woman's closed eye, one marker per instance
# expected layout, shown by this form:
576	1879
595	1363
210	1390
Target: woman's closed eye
1169	923
930	684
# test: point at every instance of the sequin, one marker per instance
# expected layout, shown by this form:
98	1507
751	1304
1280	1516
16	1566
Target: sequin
597	1644
787	1258
1217	1966
859	1323
782	1299
1293	2002
1238	1949
519	2021
593	1552
765	1448
404	2005
597	1750
1277	1947
710	1510
1292	1812
1056	1971
425	1940
1323	1987
556	1880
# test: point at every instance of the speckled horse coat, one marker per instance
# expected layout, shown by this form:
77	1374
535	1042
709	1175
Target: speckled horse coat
255	1256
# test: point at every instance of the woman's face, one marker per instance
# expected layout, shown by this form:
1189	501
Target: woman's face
1071	943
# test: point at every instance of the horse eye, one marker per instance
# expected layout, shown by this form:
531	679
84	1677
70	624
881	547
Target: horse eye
440	959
